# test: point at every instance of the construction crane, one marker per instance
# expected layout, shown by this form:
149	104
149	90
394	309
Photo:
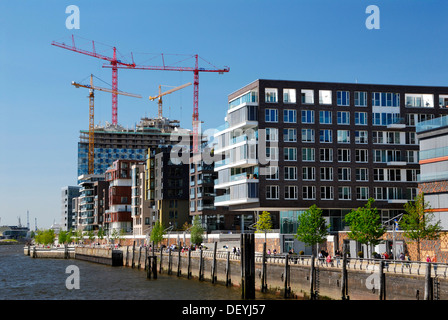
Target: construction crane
92	88
195	71
114	63
164	94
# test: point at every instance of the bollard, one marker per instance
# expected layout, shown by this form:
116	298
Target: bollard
189	264
154	267
428	283
161	255
287	275
178	262
127	256
312	273
382	281
133	256
148	269
139	257
228	270
264	286
344	285
213	275
169	261
247	241
201	260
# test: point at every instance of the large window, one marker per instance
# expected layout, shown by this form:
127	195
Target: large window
344	174
419	100
289	116
361	136
362	174
290	135
343	136
360	99
290	173
307	96
289	95
343	117
385	99
271	134
271	95
326	173
271	115
309	193
307	116
343	98
290	192
308	173
326	155
345	193
362	193
272	173
326	193
308	154
344	155
290	154
326	135
361	118
361	155
325	117
324	96
272	192
307	135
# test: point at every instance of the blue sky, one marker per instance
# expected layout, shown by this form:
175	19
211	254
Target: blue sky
315	40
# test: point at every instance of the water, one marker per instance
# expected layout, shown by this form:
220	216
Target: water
25	278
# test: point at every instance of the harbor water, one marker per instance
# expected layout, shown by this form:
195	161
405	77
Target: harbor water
25	278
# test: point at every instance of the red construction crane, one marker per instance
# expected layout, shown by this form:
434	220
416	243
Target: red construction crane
196	71
114	64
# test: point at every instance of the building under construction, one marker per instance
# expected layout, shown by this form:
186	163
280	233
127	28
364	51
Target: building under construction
114	142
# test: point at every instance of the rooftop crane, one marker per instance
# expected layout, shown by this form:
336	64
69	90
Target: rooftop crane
114	63
165	93
195	71
92	88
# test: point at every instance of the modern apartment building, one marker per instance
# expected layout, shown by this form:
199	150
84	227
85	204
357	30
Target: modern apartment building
68	193
433	180
287	145
87	215
114	142
142	209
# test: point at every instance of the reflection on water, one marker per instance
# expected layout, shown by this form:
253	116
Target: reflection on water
22	277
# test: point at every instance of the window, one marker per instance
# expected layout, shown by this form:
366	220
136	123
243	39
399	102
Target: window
362	193
411	138
272	192
307	116
308	154
326	136
326	173
307	96
289	95
271	134
361	118
344	155
443	102
325	117
393	137
272	153
290	173
309	193
385	99
344	174
290	154
377	137
378	193
343	117
324	96
343	136
361	155
289	135
271	95
289	116
271	173
271	115
378	174
362	174
361	136
290	192
307	135
360	99
384	118
419	100
412	175
394	175
345	193
326	193
343	98
308	173
326	155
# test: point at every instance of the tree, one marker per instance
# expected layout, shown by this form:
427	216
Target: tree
264	223
62	237
45	237
196	231
312	227
101	233
365	224
157	232
418	222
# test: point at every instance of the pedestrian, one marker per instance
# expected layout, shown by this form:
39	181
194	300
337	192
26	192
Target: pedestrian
428	259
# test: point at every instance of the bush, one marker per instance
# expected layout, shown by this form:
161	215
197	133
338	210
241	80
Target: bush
360	254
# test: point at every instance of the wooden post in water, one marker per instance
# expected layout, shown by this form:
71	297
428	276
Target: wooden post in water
139	257
178	261
248	265
133	255
154	267
34	252
29	250
228	269
148	269
161	255
189	264
127	256
382	281
66	256
146	257
214	264
287	282
344	282
264	286
428	283
201	261
169	261
312	274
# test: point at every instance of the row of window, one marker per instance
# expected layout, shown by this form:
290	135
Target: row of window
343	174
343	193
379	99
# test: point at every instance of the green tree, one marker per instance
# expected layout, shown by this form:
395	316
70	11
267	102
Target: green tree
101	233
418	223
312	228
365	224
264	223
62	237
157	233
196	231
45	237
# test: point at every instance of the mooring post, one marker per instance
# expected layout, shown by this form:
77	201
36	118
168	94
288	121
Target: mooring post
344	284
287	283
263	270
428	283
169	260
248	265
161	255
214	263
201	261
178	261
189	264
146	257
228	269
148	269
29	250
133	255
382	281
34	252
139	257
127	256
154	267
312	273
66	256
